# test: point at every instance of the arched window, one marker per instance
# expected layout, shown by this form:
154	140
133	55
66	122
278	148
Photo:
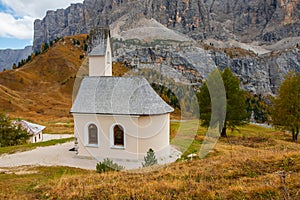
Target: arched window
118	136
92	134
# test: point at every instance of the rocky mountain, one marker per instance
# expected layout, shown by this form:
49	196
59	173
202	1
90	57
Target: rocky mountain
10	56
246	21
186	39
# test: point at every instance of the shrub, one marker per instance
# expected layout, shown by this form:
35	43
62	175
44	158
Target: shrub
108	165
150	159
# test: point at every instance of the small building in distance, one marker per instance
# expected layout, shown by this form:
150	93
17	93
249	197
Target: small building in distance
35	131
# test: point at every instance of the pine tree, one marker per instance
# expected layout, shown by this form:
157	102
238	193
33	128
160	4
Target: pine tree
235	102
45	46
14	66
11	135
150	159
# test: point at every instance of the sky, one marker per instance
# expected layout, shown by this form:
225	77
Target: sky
17	18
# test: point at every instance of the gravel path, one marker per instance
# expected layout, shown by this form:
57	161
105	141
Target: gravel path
58	155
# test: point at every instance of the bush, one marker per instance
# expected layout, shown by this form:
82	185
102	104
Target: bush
150	159
108	165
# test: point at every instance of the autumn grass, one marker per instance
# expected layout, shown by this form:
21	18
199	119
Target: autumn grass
119	69
188	136
59	126
30	146
21	182
247	165
42	89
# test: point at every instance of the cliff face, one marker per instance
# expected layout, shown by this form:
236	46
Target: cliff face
8	56
77	19
246	21
59	23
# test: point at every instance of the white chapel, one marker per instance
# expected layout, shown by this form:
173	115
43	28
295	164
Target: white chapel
119	118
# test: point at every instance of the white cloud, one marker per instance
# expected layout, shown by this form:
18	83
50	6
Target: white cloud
36	8
16	28
17	21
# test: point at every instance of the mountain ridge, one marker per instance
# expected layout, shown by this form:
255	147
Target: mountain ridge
264	21
8	57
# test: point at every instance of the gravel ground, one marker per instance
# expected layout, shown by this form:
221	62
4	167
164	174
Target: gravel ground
59	155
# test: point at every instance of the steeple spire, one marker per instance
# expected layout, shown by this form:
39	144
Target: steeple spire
100	58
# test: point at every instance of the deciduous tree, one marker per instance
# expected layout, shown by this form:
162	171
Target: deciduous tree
286	109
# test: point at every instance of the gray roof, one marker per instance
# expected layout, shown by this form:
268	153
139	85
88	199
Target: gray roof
31	128
118	96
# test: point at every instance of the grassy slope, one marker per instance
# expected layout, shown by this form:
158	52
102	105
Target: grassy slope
244	166
42	89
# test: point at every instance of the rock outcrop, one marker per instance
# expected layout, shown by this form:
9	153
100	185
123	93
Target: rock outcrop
10	56
260	69
261	74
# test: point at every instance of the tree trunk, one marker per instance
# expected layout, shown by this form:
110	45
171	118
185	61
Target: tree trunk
223	132
294	135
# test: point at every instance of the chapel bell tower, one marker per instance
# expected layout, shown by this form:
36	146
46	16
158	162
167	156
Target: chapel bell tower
100	58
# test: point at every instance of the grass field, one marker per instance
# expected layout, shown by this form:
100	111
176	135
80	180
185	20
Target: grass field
252	163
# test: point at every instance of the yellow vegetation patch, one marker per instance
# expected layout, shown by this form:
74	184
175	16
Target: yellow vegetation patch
41	90
236	171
